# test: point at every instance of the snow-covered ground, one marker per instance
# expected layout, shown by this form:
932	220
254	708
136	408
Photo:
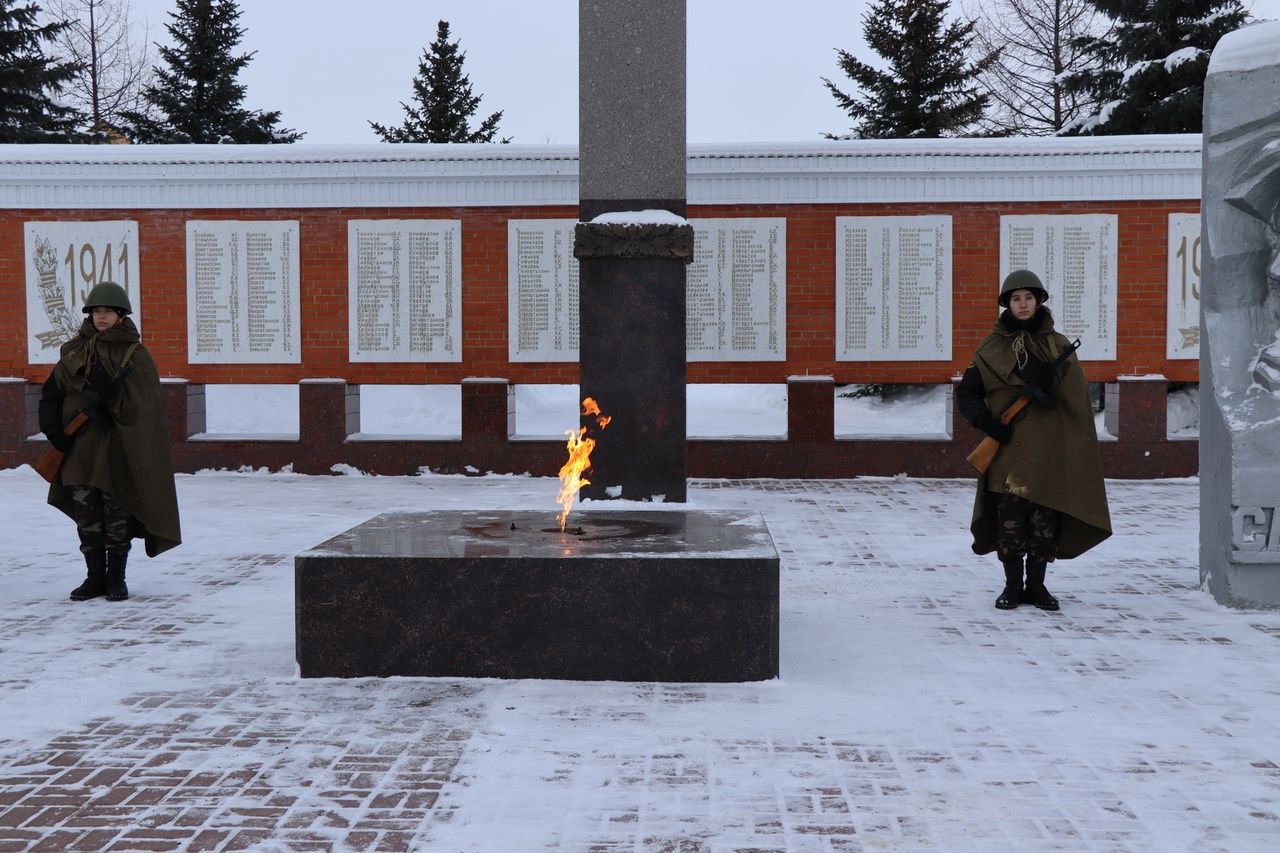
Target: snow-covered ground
909	715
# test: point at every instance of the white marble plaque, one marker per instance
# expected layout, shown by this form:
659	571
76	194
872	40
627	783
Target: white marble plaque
736	296
1182	336
64	260
1075	257
893	288
542	290
243	292
405	281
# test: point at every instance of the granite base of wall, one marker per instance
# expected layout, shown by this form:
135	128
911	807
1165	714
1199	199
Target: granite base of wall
329	412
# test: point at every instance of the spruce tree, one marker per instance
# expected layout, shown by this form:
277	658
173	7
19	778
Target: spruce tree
197	96
1153	65
29	80
442	100
930	88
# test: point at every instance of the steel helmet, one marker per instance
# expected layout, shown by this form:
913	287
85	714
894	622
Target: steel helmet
108	294
1022	280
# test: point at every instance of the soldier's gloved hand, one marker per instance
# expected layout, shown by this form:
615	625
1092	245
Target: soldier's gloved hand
994	427
1040	374
98	416
60	440
100	382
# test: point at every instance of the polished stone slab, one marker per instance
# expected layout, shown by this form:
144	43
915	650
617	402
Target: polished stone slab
620	595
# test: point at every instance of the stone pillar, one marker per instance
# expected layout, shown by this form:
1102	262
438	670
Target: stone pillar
631	81
1137	409
811	409
14	424
1240	320
488	414
184	408
328	412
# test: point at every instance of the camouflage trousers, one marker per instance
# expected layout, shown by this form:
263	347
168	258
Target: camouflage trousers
100	522
1023	527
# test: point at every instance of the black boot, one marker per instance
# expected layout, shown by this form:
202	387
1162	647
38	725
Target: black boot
116	588
1035	593
95	583
1012	593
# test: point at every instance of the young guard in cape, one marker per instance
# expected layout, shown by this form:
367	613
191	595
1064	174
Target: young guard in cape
116	482
1043	497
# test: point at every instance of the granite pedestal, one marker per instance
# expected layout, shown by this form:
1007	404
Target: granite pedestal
622	596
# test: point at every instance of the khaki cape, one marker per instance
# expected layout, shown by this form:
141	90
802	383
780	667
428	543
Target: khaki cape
131	461
1052	458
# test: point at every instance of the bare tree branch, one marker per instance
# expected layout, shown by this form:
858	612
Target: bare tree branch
114	59
1035	41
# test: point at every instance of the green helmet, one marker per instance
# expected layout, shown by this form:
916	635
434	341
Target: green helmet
108	294
1022	280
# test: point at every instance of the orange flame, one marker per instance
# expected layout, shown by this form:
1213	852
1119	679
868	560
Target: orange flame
580	447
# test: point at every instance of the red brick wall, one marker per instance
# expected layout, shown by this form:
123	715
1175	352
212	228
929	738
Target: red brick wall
811	296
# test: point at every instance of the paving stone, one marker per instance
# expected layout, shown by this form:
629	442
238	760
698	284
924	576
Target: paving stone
886	733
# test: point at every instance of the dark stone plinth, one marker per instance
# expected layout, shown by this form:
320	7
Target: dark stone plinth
621	596
631	360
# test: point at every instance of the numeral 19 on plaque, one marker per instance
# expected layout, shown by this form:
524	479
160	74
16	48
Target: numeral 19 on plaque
1194	261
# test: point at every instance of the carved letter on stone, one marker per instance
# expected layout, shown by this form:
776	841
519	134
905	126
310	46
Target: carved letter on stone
1250	527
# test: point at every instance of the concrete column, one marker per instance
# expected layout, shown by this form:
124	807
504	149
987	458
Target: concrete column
631	76
631	106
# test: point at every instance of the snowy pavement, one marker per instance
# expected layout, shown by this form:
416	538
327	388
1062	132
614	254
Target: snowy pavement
910	715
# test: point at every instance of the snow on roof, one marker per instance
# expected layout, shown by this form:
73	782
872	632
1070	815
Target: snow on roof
303	152
467	175
1247	49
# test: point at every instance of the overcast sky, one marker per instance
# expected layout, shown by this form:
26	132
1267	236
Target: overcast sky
331	66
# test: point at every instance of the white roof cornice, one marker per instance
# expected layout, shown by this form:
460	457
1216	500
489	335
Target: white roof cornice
385	175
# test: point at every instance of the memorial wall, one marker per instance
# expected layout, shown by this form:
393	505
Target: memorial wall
859	293
893	290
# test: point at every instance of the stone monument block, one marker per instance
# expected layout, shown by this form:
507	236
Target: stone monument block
620	596
1240	321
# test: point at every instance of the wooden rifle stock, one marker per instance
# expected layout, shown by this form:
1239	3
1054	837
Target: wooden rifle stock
50	463
985	452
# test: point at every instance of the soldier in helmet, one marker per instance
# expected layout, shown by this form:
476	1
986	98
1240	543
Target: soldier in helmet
1043	496
116	482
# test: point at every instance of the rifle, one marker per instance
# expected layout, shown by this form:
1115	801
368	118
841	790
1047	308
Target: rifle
50	463
983	455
